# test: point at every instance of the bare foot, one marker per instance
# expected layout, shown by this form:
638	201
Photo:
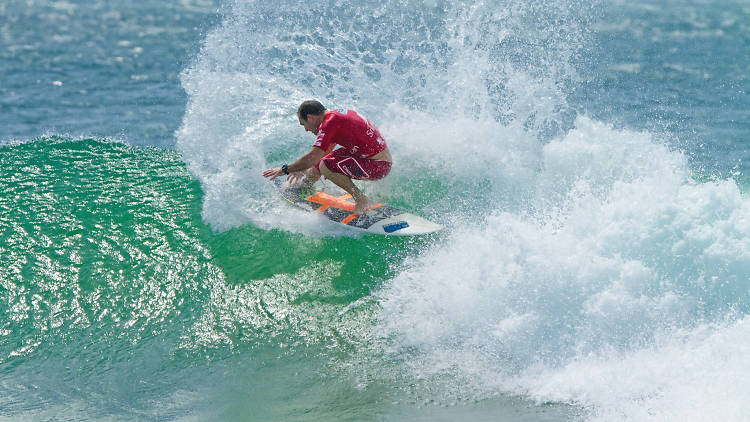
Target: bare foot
361	204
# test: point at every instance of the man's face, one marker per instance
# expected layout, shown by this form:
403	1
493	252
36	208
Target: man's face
311	124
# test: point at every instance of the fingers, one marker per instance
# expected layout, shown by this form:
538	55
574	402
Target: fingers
272	173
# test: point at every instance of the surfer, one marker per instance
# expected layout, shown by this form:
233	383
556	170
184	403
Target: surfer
363	155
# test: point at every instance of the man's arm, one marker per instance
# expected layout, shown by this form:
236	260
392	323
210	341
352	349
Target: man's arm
308	160
303	163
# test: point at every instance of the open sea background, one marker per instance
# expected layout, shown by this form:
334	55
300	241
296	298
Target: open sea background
588	159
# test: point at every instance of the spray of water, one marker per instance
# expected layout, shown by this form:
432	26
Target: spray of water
582	263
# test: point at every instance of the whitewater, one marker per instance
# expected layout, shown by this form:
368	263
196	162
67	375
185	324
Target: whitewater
587	160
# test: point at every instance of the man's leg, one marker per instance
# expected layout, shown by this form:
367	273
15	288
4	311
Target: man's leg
361	202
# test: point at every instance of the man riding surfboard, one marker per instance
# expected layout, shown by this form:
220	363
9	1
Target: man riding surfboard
363	154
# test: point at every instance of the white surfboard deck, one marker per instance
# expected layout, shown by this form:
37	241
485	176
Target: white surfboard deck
336	205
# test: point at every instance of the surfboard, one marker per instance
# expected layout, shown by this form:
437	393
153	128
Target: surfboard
338	206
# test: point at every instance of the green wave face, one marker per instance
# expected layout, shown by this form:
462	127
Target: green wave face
114	288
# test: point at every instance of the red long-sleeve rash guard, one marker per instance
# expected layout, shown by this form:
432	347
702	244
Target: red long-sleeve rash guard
353	132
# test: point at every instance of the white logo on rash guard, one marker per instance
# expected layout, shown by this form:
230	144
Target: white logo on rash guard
370	128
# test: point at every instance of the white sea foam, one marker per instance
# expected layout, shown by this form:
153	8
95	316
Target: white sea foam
617	294
689	375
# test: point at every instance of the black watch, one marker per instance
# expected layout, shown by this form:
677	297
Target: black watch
285	169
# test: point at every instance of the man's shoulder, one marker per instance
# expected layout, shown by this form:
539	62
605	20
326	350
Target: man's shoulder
334	118
341	113
342	119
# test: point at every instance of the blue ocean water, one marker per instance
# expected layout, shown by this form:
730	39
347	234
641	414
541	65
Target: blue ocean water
97	68
588	160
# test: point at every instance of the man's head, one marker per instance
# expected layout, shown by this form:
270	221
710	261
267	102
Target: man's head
311	114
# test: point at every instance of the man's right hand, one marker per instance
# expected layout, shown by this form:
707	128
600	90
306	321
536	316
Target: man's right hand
293	178
273	173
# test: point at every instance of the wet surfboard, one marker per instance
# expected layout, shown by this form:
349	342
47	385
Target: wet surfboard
338	206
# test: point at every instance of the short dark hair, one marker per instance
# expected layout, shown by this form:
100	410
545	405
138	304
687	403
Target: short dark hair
310	107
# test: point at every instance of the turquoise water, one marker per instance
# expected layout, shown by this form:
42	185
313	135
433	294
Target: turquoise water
588	161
